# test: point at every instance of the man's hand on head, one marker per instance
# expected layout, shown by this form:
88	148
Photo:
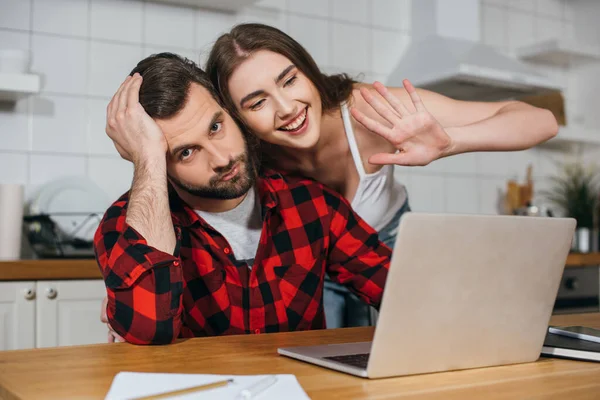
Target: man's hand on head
137	137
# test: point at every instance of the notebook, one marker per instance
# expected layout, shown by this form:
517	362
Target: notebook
566	347
127	385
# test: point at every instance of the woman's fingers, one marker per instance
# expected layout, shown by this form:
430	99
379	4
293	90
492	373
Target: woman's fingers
391	99
414	96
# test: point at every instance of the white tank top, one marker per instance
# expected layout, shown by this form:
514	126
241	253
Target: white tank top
379	196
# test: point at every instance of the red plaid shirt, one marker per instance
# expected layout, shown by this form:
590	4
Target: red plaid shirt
201	290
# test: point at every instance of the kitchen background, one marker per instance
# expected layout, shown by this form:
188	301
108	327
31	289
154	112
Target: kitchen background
84	48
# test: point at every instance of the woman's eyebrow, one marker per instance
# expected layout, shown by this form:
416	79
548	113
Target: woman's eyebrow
259	92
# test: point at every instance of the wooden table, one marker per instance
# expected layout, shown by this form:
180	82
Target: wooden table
87	371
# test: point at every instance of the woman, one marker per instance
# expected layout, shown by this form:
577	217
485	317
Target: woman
303	119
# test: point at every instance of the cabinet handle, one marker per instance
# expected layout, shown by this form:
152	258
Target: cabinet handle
51	293
29	294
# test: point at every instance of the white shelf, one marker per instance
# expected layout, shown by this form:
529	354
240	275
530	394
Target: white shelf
575	134
560	52
16	86
221	5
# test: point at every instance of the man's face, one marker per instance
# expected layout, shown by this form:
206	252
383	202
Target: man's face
208	156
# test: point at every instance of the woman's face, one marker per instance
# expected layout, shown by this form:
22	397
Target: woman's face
276	100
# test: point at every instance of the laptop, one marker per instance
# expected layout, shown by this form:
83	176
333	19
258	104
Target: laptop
463	291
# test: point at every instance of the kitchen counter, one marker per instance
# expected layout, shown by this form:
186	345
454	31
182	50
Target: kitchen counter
583	260
88	269
55	269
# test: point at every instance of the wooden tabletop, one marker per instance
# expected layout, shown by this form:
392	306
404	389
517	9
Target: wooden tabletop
87	371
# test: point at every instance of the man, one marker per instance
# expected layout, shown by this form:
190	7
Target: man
204	245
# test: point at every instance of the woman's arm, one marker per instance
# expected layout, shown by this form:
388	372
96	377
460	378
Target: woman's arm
425	126
486	126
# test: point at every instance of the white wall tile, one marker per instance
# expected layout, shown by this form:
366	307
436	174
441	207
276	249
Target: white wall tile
14	125
166	25
209	26
426	192
14	40
552	8
110	63
549	162
370	77
463	164
76	125
313	35
273	4
113	175
520	160
493	26
318	8
15	14
351	47
523	5
116	20
494	163
402	174
13	168
500	3
351	10
569	31
547	28
387	49
48	167
59	124
507	164
462	195
62	63
392	14
520	29
63	17
150	50
491	195
98	141
265	16
569	10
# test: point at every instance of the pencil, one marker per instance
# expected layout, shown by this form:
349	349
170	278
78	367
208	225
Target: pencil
192	389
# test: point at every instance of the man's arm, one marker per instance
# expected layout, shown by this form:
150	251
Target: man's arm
357	259
135	244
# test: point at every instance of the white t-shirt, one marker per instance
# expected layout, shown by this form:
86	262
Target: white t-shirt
241	226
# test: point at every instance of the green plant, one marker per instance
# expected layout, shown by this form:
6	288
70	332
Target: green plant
575	192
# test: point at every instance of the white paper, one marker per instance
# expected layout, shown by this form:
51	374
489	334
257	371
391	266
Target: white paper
127	385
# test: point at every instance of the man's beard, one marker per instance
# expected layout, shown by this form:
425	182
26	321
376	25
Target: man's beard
235	187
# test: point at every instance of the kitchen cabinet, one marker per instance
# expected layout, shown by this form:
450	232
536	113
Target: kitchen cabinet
17	315
68	313
51	313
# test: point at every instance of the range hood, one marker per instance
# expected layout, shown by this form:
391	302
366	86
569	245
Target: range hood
446	56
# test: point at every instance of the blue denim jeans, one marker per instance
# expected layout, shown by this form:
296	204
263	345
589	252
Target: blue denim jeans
342	307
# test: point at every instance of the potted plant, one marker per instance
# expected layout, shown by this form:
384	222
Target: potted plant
574	193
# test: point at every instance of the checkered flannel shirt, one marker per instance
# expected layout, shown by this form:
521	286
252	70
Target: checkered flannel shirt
202	290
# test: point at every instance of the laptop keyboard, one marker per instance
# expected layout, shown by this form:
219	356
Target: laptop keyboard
356	360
